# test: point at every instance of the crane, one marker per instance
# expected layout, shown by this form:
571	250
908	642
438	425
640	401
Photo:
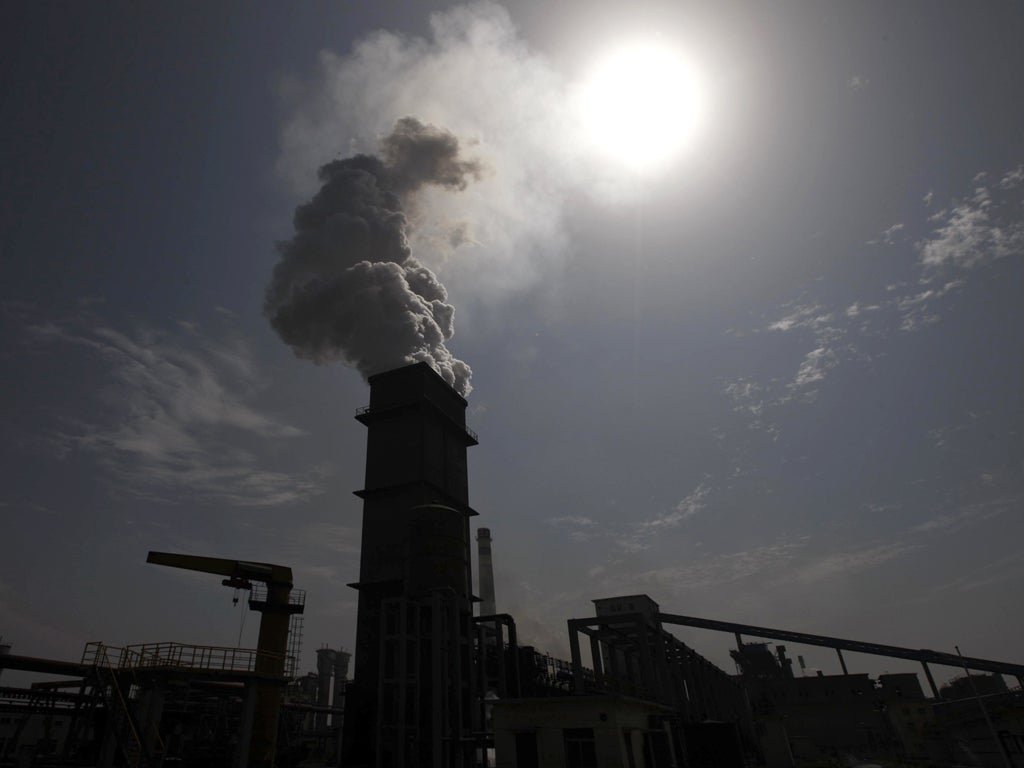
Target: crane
275	612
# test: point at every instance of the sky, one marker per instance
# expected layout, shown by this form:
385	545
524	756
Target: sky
775	377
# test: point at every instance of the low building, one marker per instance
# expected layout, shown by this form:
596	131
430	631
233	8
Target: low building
603	731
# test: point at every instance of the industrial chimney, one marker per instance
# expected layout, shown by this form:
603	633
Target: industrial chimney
409	702
324	670
486	567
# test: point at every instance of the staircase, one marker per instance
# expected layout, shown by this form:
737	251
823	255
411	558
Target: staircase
139	743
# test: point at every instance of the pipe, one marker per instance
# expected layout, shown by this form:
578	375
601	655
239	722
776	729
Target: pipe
341	660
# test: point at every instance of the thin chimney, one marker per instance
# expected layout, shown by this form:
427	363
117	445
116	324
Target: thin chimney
486	565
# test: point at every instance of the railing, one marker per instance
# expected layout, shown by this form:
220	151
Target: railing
181	656
258	594
476	438
175	656
101	655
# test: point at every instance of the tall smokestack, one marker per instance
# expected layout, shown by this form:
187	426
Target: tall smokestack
486	566
413	635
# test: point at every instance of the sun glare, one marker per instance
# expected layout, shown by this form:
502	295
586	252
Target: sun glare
640	105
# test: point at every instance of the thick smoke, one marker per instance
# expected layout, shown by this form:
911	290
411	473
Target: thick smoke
347	286
474	74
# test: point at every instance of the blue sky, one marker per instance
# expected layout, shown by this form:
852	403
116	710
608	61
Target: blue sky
778	381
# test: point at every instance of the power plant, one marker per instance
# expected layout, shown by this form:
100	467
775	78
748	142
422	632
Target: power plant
441	679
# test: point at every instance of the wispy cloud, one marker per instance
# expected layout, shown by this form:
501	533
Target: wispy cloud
752	400
983	227
814	366
634	536
858	83
724	568
916	309
810	316
848	561
688	506
955	520
825	327
857	309
889	236
998	571
571	520
1012	179
172	421
796	559
940	436
578	527
786	561
986	226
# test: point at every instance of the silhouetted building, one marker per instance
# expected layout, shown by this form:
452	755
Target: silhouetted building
977	683
649	700
961	734
807	720
756	662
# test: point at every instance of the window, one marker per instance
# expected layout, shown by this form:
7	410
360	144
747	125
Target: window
526	750
580	750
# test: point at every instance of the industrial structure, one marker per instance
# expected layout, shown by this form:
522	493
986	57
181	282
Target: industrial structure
276	606
411	702
438	684
705	717
169	702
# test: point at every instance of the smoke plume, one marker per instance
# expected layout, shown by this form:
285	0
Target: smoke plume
348	287
473	73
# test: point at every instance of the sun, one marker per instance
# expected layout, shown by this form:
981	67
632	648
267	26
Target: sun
640	105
